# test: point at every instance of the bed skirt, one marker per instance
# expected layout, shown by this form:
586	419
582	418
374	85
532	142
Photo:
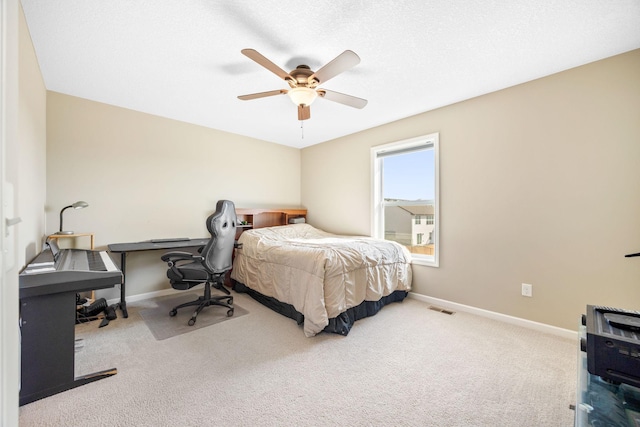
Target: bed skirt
340	324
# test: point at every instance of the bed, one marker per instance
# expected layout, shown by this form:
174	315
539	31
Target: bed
324	281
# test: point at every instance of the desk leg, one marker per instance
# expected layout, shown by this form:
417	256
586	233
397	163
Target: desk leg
123	302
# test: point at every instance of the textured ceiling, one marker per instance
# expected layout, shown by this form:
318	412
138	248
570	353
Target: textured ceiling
182	60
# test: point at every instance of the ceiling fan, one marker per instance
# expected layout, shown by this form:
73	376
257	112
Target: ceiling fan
304	82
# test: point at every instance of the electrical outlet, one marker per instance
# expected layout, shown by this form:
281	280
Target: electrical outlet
527	290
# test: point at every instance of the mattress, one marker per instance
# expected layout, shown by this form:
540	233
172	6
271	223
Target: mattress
321	275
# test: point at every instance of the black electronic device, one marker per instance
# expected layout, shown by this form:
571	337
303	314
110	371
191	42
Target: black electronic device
623	321
613	344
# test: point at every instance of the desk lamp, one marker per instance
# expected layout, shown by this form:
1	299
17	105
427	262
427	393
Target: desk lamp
76	205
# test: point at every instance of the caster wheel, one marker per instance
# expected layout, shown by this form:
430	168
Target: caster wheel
173	313
192	322
230	300
229	312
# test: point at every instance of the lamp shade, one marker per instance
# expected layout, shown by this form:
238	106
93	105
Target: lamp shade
79	205
302	95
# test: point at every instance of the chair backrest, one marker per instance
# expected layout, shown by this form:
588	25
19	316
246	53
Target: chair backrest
218	251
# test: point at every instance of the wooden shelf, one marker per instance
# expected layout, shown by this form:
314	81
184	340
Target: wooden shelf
74	235
259	218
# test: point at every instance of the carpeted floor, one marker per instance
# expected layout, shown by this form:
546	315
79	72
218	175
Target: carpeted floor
163	326
406	366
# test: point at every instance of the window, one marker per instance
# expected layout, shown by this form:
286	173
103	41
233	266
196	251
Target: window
406	195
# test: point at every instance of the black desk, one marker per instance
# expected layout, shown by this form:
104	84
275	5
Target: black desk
47	328
149	245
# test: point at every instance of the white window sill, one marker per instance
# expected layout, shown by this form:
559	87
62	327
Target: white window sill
427	261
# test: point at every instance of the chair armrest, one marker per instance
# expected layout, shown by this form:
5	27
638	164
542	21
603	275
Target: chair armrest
180	256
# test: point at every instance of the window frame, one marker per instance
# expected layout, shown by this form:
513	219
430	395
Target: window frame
377	205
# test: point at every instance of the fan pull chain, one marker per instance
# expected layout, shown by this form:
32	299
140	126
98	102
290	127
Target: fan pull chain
302	128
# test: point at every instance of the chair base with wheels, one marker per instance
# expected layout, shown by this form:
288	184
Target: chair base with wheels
207	300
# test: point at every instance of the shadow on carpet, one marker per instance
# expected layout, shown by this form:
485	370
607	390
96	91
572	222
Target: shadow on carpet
163	326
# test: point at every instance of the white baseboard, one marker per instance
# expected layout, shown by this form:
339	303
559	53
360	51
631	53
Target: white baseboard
141	297
554	330
542	327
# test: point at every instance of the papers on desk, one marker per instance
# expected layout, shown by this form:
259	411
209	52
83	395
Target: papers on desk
39	267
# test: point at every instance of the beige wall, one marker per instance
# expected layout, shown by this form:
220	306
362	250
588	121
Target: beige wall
31	166
539	184
149	177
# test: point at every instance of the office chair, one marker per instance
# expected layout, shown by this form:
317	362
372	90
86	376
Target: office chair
210	266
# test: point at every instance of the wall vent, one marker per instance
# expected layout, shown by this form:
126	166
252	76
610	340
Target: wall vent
441	310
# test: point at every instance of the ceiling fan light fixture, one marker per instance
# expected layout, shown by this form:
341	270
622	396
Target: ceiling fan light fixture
302	95
303	82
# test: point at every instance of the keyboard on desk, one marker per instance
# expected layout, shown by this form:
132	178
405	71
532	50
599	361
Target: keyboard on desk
68	270
84	260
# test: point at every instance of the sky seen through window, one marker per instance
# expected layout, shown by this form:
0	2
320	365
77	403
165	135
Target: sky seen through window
409	176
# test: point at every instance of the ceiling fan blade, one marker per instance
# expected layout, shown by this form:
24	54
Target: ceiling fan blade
342	98
262	60
304	112
262	94
346	60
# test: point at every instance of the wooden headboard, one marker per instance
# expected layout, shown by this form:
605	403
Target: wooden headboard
259	217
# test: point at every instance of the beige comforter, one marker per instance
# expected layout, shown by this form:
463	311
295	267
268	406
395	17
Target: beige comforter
319	273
